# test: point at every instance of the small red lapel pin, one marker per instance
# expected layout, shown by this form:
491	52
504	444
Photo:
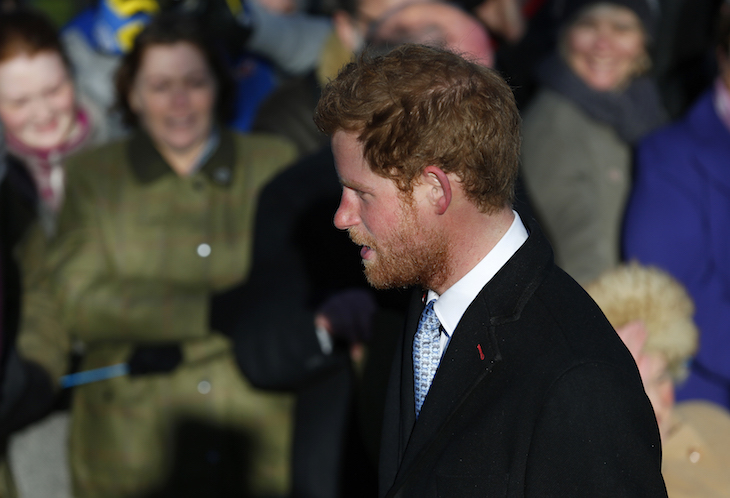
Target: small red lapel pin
481	354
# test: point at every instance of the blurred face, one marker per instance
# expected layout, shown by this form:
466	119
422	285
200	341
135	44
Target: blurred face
397	251
436	24
279	6
353	30
605	46
37	101
723	63
659	388
174	95
654	371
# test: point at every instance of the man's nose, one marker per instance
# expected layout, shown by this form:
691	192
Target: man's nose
345	216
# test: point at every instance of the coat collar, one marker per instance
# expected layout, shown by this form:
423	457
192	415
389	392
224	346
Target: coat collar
149	166
472	353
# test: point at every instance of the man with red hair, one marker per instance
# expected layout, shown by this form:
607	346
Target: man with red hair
508	380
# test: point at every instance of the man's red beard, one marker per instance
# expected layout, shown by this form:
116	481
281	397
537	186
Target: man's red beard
410	255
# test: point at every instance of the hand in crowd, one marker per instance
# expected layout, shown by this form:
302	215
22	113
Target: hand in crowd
348	316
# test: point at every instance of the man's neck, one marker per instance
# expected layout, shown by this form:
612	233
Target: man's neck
472	237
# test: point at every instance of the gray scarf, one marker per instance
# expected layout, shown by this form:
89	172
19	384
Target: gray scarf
633	111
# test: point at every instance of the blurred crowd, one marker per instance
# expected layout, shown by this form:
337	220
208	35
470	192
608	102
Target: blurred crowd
179	316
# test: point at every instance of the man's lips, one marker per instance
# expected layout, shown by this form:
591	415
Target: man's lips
367	252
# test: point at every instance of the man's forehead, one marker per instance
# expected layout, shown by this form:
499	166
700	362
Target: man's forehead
352	167
348	153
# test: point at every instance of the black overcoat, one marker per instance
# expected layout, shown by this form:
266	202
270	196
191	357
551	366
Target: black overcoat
536	396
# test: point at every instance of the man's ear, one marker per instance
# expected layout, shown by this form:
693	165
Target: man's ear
438	188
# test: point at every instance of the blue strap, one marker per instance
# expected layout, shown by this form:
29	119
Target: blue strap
95	375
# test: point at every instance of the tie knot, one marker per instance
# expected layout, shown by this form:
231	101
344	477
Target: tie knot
429	320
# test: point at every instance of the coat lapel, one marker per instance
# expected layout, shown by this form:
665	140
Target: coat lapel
399	416
461	370
407	398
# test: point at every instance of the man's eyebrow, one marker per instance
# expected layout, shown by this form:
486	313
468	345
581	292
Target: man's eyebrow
354	185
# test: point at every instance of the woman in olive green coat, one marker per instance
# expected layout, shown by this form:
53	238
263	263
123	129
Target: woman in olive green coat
152	228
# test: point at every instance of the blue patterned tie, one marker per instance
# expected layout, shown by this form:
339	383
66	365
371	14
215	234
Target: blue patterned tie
426	354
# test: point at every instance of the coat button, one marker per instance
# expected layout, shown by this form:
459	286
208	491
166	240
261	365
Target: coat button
204	387
222	175
204	250
694	457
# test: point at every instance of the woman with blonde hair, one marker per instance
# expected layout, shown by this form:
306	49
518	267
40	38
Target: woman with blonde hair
652	313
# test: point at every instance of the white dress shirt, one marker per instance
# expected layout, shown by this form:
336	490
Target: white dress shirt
451	305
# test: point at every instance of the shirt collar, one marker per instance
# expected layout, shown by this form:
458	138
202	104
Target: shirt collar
452	304
216	161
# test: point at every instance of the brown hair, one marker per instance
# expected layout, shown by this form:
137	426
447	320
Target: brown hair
417	106
169	29
28	32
